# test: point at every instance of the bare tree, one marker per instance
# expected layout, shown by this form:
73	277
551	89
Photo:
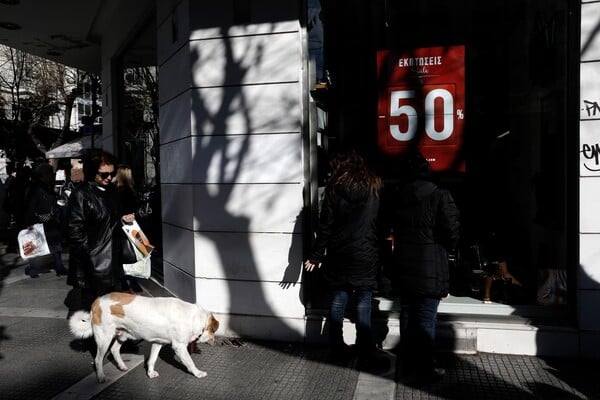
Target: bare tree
12	67
13	64
38	90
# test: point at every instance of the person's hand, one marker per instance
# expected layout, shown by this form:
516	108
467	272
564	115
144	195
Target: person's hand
128	218
309	265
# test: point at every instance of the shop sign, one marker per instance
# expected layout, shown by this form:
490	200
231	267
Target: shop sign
422	104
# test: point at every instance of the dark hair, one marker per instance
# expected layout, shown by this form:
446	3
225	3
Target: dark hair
93	160
42	170
417	166
351	174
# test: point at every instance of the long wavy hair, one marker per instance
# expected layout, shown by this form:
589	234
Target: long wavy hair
351	174
124	177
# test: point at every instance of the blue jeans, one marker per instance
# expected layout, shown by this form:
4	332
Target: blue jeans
339	301
418	317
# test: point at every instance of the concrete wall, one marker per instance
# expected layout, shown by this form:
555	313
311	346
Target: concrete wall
588	292
231	161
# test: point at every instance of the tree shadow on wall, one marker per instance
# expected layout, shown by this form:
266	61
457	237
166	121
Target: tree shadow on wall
220	159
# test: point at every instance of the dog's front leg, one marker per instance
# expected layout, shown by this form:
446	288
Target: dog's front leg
181	351
152	359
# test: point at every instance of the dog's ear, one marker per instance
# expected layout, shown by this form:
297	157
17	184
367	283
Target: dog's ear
212	324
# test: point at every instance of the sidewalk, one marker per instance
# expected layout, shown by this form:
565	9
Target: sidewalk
39	360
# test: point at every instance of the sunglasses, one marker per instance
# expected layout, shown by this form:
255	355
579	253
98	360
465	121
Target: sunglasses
105	175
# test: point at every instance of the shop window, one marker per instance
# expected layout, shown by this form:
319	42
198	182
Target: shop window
508	171
138	129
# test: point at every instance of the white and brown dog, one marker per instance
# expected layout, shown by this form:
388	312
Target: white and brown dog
159	320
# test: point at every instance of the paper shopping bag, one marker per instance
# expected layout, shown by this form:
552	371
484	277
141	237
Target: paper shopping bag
137	237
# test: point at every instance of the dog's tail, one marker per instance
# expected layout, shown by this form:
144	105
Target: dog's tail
80	324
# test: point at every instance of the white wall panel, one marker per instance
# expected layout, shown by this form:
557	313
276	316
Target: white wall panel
251	298
175	76
589	154
178	249
179	283
260	327
589	260
589	104
590	40
247	208
175	118
178	205
246	109
248	159
218	19
273	257
176	161
246	60
589	205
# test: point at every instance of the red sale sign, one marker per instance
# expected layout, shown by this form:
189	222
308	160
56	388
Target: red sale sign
422	104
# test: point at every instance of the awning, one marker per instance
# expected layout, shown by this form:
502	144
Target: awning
74	148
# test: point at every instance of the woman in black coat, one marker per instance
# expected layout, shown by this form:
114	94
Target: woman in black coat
95	216
41	207
346	245
425	223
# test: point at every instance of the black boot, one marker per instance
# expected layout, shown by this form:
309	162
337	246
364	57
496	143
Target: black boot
31	272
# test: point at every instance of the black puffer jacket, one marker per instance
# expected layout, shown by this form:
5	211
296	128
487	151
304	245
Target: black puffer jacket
94	220
425	221
41	207
346	240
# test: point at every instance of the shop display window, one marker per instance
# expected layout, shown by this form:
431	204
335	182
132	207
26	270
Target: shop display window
498	126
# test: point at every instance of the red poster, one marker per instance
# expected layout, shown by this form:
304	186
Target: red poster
422	104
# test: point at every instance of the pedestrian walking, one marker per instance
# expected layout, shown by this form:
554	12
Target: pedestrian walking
94	226
14	203
41	207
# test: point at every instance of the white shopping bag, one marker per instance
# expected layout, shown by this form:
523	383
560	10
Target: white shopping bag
141	268
32	242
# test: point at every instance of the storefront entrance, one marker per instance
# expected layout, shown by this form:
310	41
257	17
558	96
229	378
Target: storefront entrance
488	96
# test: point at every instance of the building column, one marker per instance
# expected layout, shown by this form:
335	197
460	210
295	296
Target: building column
231	162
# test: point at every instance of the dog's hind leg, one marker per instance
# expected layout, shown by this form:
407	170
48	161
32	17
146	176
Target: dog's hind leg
102	342
185	358
152	359
115	350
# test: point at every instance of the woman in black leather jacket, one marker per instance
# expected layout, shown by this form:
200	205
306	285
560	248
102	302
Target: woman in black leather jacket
94	226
